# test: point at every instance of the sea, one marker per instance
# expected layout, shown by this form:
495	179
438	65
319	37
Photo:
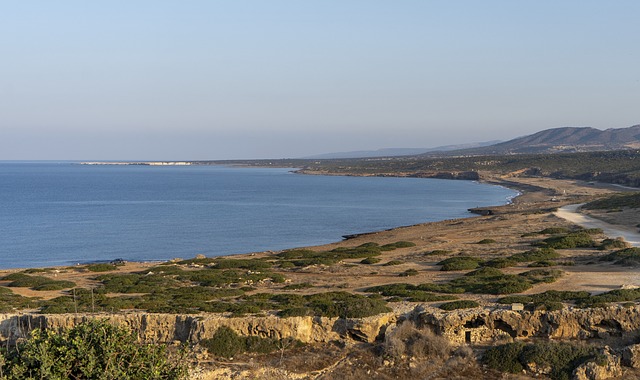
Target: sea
65	213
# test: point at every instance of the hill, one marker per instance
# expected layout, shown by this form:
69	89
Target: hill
561	140
393	152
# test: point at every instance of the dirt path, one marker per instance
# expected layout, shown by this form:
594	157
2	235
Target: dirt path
571	214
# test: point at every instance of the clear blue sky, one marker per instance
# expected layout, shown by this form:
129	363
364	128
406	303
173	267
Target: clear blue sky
152	80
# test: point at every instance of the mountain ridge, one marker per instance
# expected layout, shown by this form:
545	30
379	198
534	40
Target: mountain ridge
560	140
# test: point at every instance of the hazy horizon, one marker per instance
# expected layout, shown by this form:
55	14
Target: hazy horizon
212	80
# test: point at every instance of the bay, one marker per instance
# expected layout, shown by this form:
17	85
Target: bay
65	213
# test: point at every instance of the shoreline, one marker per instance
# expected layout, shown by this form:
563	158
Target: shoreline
522	198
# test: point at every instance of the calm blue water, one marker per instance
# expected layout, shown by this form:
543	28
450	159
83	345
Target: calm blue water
63	213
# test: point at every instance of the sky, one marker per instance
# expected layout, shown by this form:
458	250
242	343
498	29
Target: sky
208	79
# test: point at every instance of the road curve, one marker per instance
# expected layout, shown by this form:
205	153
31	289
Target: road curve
571	214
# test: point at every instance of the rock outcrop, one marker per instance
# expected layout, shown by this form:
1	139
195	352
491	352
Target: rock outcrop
459	327
485	326
167	328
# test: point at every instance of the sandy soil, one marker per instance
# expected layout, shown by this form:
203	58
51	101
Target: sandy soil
533	211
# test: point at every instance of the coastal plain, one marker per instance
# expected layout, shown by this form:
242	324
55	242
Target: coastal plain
414	257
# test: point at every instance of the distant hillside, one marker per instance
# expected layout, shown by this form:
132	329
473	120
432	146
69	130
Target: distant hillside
393	152
559	140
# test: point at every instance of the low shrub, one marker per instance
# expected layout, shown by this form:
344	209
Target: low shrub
409	272
626	257
393	262
370	260
580	239
412	293
460	263
500	262
437	252
396	245
101	267
461	304
486	241
538	254
302	285
542	264
90	350
615	201
613	244
561	358
21	280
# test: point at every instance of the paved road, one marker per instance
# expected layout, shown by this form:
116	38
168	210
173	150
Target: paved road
611	230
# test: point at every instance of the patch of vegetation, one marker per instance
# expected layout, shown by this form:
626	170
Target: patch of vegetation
392	263
460	263
437	252
409	272
461	304
482	281
9	301
618	295
306	257
411	293
486	241
21	280
549	300
626	257
500	262
396	245
330	304
553	231
370	260
613	244
542	264
226	343
617	201
538	254
101	267
302	285
580	239
562	358
91	350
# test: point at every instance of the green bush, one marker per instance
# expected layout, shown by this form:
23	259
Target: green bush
21	280
91	350
461	304
554	231
460	263
548	296
580	239
504	358
227	343
409	272
542	264
398	244
409	292
562	358
101	267
486	241
613	244
626	257
302	285
10	301
437	252
538	254
615	201
392	263
500	262
370	260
